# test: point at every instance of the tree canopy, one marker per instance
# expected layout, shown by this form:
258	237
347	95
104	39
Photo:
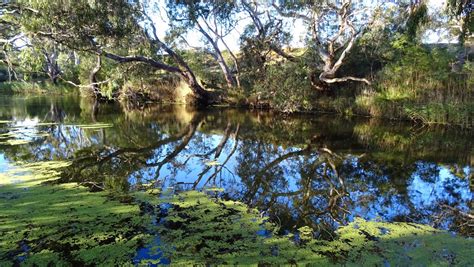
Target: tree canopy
218	48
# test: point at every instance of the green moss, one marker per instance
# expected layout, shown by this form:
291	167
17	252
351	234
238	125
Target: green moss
54	224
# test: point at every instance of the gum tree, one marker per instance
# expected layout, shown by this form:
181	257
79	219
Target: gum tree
214	21
334	27
118	30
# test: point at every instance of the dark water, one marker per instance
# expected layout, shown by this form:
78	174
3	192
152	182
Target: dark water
316	170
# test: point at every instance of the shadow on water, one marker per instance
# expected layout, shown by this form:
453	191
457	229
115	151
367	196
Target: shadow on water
303	170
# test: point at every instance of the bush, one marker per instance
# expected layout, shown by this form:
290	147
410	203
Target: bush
286	87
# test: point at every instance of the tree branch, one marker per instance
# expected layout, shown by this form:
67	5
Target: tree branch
343	79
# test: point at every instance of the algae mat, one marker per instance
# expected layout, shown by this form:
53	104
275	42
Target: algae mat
63	224
200	230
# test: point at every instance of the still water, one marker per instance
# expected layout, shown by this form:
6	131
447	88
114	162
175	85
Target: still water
300	170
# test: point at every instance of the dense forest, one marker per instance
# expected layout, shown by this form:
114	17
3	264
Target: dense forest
395	59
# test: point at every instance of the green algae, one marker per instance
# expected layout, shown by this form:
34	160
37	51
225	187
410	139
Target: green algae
25	175
92	126
201	230
17	135
400	244
15	142
63	224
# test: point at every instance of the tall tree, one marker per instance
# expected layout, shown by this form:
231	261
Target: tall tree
214	21
119	30
9	34
463	12
267	30
334	27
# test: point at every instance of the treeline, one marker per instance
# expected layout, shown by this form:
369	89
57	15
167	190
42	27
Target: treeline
354	57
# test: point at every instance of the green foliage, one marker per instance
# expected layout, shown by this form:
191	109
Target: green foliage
285	86
462	11
76	22
421	83
416	18
205	68
32	88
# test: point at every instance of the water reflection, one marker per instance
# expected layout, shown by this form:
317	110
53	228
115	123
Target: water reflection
319	171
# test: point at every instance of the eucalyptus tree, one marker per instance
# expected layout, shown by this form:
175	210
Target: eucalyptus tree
214	21
266	30
333	27
462	11
41	57
119	30
261	42
9	34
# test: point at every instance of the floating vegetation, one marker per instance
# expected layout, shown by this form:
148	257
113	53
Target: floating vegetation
15	142
31	174
21	135
399	244
199	230
61	224
46	123
30	126
212	163
92	126
214	189
7	135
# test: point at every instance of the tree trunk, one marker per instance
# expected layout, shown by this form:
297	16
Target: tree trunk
94	87
229	78
201	96
234	59
52	67
219	58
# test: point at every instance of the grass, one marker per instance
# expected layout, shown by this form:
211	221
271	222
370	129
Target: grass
22	87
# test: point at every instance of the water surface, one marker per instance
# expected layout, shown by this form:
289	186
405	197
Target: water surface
311	170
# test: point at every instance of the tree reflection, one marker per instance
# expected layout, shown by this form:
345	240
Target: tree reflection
301	171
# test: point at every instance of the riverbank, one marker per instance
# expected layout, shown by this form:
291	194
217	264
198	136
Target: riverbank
35	88
373	105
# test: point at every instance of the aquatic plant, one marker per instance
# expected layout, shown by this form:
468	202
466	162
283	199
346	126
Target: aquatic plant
43	224
199	229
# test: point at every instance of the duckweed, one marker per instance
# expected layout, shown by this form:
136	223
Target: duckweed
92	126
200	230
63	224
44	223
